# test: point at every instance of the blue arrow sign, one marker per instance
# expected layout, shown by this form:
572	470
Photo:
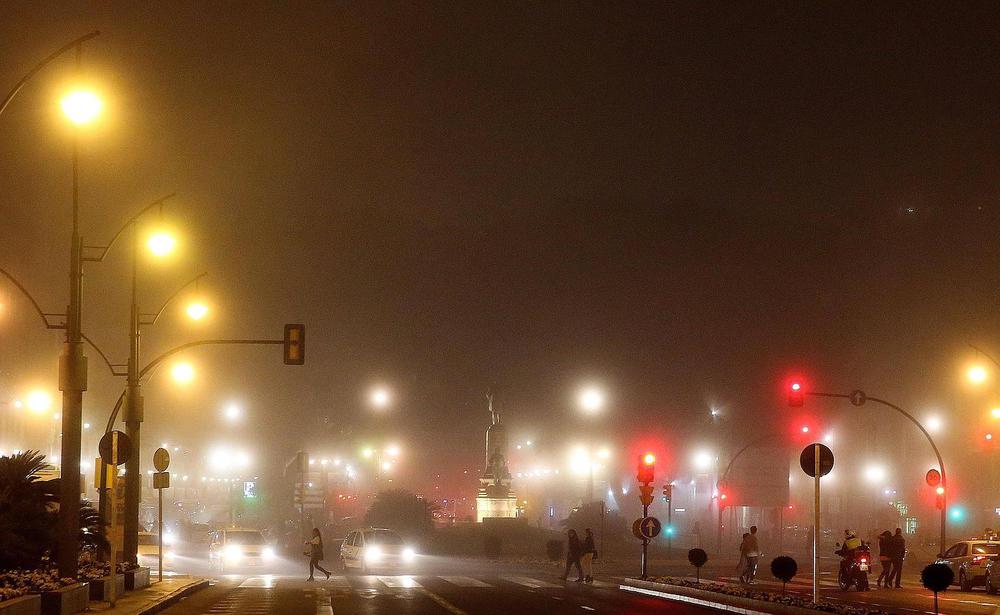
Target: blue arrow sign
650	527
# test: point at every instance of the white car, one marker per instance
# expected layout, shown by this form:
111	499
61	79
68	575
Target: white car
969	560
375	548
237	548
149	549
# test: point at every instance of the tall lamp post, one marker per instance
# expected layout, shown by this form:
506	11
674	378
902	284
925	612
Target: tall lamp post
81	108
160	245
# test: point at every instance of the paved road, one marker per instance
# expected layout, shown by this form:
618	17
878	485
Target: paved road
456	589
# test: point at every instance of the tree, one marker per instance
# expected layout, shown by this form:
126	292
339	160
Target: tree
26	510
401	511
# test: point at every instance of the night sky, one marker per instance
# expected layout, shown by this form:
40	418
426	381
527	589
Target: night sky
682	202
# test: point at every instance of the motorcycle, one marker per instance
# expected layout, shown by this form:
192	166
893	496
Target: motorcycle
854	567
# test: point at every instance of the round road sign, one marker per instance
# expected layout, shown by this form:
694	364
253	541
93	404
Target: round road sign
858	398
649	527
115	442
808	459
933	477
161	459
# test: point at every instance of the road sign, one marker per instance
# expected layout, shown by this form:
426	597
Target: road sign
295	344
109	441
161	480
808	460
858	398
933	477
650	527
161	459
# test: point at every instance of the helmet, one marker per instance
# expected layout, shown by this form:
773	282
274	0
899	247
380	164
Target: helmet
850	533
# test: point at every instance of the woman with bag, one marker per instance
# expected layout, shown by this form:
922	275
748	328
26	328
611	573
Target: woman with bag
314	549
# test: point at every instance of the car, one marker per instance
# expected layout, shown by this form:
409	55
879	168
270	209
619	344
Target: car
970	560
375	548
239	548
149	550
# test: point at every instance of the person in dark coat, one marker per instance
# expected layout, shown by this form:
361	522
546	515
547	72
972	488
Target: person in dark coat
884	557
587	555
315	545
573	551
898	554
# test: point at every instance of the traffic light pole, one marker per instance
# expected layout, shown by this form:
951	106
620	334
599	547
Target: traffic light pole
858	398
644	562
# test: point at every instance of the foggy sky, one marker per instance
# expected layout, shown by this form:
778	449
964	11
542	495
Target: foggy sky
682	202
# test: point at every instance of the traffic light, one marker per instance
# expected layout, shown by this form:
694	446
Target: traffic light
939	501
646	466
295	344
795	395
668	491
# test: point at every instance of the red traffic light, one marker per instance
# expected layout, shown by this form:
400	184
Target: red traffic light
646	467
795	395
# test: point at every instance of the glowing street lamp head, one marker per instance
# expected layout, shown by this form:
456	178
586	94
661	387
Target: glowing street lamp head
934	424
197	310
39	402
649	459
977	374
232	412
591	399
81	106
183	373
875	473
161	243
392	451
367	453
380	397
995	413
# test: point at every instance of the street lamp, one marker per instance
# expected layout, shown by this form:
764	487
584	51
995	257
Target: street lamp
591	399
183	373
232	412
977	374
38	402
161	243
81	106
379	397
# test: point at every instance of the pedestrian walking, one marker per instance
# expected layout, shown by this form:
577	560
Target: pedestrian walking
573	550
898	555
587	555
752	554
741	566
884	557
314	549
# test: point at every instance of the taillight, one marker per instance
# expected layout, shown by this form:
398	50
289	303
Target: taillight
979	559
864	560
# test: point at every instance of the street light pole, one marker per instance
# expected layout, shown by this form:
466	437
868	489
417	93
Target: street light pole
133	420
72	383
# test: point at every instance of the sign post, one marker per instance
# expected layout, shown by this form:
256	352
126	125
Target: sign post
816	460
161	480
115	448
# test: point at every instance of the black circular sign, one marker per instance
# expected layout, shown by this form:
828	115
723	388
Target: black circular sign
937	577
108	444
808	460
697	557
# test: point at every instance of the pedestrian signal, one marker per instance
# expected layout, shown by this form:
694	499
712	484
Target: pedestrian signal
295	344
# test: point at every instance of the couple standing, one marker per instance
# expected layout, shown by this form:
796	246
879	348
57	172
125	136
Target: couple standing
581	555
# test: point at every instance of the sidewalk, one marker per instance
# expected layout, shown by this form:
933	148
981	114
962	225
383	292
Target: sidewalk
152	599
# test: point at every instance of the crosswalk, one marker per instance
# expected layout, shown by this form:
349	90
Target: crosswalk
368	583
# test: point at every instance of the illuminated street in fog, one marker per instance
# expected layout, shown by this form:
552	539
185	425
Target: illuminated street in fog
445	307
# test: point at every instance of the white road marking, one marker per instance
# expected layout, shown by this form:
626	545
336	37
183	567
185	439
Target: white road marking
464	581
404	580
529	582
339	582
323	604
267	582
582	606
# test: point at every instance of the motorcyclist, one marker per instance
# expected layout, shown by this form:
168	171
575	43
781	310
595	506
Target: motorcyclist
851	544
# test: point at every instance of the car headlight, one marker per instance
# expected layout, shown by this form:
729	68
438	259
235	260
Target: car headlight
409	554
373	554
233	552
268	553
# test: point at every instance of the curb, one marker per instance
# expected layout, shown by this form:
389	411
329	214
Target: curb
700	597
174	597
